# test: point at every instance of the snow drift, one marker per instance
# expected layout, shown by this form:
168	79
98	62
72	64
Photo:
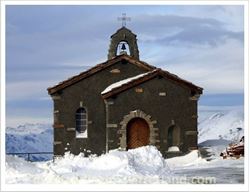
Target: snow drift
192	158
140	165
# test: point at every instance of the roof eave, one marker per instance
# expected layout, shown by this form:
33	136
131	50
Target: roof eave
143	79
95	69
129	85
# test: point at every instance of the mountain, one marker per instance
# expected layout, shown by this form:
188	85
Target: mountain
30	138
224	123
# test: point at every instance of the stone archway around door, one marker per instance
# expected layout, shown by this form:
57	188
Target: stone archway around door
153	131
137	133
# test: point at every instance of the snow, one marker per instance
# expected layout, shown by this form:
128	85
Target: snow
144	164
122	82
224	123
173	149
141	165
82	135
193	158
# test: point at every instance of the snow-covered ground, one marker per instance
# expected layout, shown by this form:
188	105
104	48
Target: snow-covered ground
217	127
141	165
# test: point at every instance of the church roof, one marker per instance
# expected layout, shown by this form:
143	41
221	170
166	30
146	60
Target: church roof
97	68
124	81
125	84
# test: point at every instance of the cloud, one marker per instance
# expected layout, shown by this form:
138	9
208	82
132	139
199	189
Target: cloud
25	90
230	15
48	44
167	29
203	35
217	70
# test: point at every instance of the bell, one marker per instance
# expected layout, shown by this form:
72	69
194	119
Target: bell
123	47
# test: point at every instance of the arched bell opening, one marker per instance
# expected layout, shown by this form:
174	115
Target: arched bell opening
123	40
123	48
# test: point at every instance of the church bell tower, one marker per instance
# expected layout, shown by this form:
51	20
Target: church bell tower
123	42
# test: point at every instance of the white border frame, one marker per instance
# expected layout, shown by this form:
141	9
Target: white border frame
130	187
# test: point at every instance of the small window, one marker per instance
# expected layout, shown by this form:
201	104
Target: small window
81	122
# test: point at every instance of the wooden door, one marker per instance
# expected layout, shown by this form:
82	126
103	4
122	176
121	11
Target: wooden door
137	133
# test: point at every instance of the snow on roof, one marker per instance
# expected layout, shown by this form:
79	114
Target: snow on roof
124	81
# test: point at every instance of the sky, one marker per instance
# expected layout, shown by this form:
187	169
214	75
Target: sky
203	44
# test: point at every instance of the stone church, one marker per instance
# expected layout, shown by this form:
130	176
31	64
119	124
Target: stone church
124	103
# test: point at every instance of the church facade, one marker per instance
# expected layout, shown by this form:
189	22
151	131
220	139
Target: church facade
124	103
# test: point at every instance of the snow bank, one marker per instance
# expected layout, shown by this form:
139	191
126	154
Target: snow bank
141	165
192	158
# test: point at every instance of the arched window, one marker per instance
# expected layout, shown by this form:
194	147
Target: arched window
173	138
81	120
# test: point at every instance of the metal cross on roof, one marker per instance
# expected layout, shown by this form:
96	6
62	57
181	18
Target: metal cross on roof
124	18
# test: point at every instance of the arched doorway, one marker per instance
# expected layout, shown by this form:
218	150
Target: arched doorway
137	133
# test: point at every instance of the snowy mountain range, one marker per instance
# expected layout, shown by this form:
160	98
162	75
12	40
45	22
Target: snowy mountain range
30	138
223	123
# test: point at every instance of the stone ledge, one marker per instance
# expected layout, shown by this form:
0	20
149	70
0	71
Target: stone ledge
57	142
112	125
58	125
191	132
71	129
56	97
110	102
154	122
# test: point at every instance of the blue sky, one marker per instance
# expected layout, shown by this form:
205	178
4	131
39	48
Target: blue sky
47	44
